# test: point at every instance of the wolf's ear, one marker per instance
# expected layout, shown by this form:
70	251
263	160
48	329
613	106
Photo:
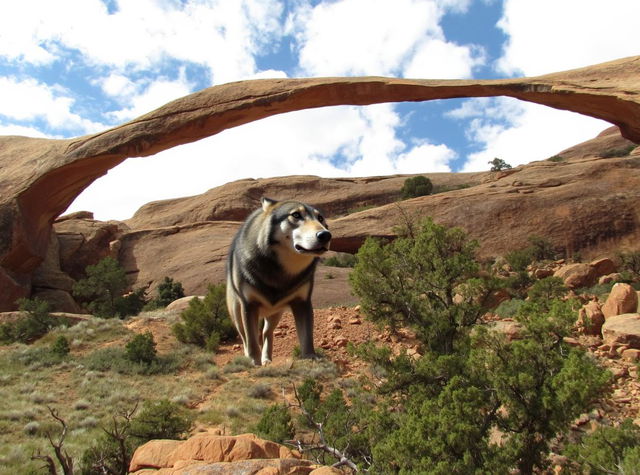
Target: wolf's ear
267	203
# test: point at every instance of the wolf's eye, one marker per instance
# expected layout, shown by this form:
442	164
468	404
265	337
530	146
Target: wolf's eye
296	215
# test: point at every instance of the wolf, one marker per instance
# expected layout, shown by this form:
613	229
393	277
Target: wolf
270	267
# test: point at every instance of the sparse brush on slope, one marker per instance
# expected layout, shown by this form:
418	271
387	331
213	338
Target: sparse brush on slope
206	322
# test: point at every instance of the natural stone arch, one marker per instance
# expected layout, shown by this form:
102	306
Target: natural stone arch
41	177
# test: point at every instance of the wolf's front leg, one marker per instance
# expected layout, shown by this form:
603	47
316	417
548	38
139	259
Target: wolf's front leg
251	332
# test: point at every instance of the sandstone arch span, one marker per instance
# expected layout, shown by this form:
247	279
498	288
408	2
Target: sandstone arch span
39	178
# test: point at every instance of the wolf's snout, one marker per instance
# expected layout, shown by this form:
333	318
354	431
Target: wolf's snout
323	236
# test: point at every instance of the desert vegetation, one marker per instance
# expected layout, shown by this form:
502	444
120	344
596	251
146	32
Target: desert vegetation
461	397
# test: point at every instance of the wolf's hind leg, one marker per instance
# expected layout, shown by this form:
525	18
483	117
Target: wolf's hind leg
251	332
270	324
303	314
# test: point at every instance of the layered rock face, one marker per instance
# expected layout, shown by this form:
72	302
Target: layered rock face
41	177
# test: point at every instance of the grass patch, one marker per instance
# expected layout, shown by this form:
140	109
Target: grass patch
115	359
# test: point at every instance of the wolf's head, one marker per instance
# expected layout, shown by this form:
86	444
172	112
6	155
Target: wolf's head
297	227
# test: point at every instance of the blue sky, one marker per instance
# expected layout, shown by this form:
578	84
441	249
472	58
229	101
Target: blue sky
75	67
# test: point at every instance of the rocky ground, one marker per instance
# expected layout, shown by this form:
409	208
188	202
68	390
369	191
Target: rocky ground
335	327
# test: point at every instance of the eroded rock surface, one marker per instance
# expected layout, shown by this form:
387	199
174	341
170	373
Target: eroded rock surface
41	177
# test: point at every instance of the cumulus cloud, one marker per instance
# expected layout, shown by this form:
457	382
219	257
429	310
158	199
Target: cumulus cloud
520	132
220	35
548	36
29	100
143	98
304	142
376	37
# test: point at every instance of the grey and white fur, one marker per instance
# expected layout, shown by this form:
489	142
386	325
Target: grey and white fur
270	268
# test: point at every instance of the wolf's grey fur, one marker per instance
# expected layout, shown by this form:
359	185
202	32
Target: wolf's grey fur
270	267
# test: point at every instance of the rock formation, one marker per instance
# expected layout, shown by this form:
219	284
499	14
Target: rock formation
209	453
41	177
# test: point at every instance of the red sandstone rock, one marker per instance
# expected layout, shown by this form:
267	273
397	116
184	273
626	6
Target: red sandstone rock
577	275
622	299
41	177
622	330
590	319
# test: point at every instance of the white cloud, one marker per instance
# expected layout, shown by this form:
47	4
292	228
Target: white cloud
156	93
220	35
377	37
547	36
429	62
297	143
23	131
28	100
520	132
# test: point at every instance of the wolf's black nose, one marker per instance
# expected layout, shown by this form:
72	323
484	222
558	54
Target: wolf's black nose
323	236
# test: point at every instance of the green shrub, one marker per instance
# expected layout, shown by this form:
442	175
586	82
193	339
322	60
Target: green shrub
111	452
131	303
276	424
141	348
34	325
509	308
609	450
448	402
168	291
630	262
103	288
498	164
105	282
519	259
413	280
618	152
161	419
548	289
342	259
556	158
115	359
416	186
206	322
541	248
60	346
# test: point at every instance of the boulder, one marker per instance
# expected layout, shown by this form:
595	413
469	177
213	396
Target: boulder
590	319
603	266
153	454
181	304
622	299
41	177
622	330
220	454
576	276
605	279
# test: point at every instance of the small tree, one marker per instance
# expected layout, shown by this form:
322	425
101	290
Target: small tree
541	384
416	186
105	282
498	164
609	450
61	347
141	348
206	321
161	419
427	281
168	291
35	324
276	424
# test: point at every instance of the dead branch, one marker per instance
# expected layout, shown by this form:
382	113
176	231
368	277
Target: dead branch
323	446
